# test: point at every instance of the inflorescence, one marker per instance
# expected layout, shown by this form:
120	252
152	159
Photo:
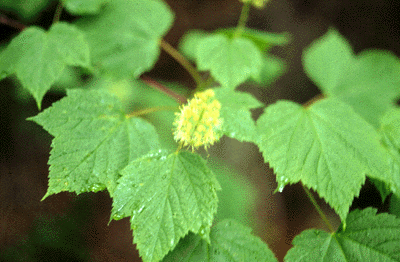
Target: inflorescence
198	123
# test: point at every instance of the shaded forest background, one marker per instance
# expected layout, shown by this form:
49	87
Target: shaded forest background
66	227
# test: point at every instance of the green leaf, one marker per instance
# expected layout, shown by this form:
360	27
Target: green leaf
272	68
390	126
25	9
124	37
189	43
368	82
372	84
238	199
327	147
230	241
327	60
84	7
166	196
382	187
390	129
237	120
145	97
263	40
38	57
368	237
93	141
395	205
230	61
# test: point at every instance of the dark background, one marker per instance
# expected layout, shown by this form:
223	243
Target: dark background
66	227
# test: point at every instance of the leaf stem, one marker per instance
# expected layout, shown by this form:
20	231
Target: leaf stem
313	100
151	110
208	82
180	146
182	61
244	15
12	23
58	12
319	210
180	99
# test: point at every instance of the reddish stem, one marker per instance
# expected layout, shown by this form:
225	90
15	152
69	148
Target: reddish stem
12	23
313	100
164	89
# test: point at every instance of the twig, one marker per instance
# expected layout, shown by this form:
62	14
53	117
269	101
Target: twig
58	12
244	16
313	100
182	61
12	23
319	210
164	89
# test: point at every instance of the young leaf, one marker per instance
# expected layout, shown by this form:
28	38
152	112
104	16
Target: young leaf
368	82
237	120
166	196
368	237
189	43
38	57
93	140
327	147
390	126
84	7
25	9
327	60
390	132
263	40
124	36
272	68
238	199
230	60
230	241
395	205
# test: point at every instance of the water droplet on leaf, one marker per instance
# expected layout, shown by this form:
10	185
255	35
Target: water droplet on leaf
117	216
140	209
97	187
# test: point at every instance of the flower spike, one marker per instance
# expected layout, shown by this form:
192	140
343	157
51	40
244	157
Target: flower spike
198	123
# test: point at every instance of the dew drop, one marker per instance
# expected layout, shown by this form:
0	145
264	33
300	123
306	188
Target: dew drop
140	209
117	216
97	187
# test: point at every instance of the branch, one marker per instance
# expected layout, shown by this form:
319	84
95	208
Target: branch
164	89
11	23
182	61
313	100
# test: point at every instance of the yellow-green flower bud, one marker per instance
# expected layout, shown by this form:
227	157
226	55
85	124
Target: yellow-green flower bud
198	123
256	3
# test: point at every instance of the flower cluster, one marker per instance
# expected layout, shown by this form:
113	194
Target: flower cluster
198	123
